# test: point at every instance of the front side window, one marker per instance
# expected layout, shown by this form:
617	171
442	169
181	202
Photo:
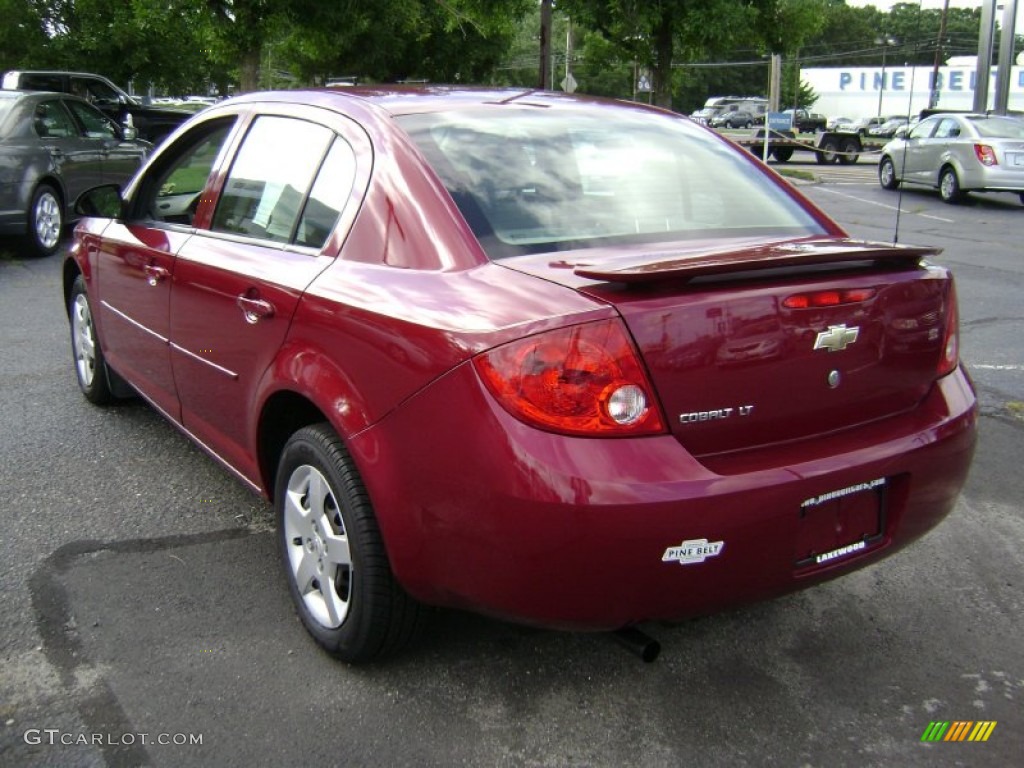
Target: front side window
272	173
95	124
171	191
532	181
95	91
924	129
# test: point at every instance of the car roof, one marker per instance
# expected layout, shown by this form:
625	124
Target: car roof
415	99
39	95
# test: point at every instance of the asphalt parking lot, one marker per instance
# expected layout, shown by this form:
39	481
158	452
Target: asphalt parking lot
144	610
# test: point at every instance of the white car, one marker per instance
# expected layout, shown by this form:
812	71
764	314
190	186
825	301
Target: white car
957	154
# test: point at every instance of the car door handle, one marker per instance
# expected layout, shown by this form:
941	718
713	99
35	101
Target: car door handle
254	309
154	273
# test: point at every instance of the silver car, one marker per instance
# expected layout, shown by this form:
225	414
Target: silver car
957	154
53	147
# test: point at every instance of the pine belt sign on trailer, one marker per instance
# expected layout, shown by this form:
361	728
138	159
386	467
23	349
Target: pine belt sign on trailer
780	121
776	121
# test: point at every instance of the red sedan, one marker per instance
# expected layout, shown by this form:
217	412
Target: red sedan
574	363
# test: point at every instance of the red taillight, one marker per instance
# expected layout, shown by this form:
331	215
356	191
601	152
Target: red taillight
951	338
827	298
583	380
985	154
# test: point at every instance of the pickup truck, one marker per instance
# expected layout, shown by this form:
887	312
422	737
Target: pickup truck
153	123
807	122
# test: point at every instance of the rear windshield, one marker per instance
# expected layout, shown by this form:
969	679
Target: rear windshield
530	180
995	127
6	104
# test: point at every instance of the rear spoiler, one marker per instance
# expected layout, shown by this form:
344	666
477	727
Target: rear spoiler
699	263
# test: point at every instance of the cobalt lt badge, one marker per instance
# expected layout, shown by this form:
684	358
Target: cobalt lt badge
836	338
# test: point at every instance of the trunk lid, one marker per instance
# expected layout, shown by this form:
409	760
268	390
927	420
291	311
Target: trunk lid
754	344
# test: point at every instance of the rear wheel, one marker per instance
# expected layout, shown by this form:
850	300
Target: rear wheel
829	151
949	186
887	174
851	151
45	220
337	569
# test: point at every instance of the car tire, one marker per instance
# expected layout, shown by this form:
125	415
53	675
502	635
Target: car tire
851	152
949	186
333	553
887	174
90	365
782	154
45	217
829	151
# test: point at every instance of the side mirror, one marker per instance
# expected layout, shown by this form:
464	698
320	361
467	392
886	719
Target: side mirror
901	132
103	202
128	130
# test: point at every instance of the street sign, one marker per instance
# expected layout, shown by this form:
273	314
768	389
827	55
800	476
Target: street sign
643	81
569	83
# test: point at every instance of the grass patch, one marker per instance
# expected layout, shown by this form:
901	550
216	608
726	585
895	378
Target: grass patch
1016	409
793	173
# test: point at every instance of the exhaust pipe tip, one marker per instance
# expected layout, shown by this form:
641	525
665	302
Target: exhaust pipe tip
638	643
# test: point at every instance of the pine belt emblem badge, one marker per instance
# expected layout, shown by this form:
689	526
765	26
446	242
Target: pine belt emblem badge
837	338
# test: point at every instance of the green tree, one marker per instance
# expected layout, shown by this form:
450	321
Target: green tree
21	34
671	33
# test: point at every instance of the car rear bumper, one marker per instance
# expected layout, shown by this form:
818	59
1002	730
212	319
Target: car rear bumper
993	179
480	511
13	207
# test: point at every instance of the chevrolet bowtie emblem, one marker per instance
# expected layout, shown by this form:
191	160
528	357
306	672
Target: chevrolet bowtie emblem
836	338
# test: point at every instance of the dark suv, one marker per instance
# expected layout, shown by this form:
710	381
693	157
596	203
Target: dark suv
153	123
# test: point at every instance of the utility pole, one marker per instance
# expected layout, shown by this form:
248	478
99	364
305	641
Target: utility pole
775	83
933	98
545	45
1006	40
984	66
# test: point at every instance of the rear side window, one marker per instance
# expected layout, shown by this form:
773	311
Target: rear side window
529	180
52	121
287	184
42	83
328	196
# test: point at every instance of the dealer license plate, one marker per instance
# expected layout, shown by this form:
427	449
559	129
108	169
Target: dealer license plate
838	524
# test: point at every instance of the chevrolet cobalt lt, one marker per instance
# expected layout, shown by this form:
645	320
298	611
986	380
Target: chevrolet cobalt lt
573	363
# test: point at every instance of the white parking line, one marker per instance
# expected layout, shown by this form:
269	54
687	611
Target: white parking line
884	205
994	367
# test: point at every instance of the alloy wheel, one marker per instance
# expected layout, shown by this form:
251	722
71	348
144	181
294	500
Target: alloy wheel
83	337
318	547
48	220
